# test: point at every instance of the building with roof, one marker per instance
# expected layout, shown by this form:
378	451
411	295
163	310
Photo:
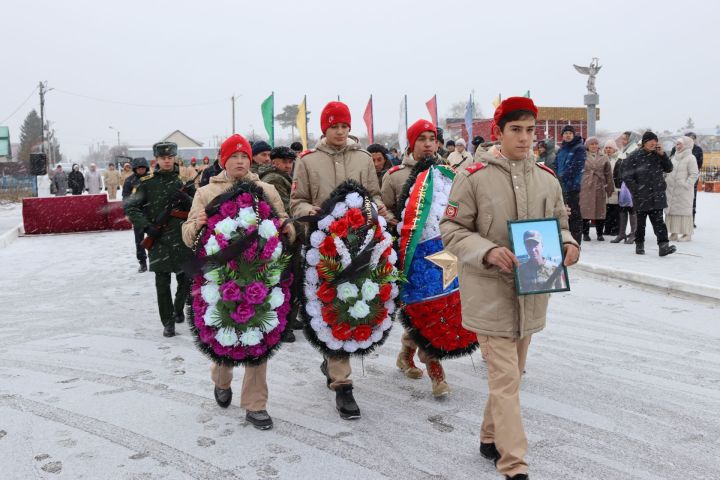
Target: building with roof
5	145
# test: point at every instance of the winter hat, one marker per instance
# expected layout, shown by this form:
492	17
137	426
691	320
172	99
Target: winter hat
687	141
460	141
296	147
333	113
647	137
568	128
234	143
592	140
260	146
611	143
282	152
514	103
193	160
416	129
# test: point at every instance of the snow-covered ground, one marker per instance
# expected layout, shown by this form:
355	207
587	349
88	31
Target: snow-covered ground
10	216
623	384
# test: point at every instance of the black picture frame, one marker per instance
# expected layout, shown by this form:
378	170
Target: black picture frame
552	275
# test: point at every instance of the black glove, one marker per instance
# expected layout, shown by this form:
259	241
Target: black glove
183	199
152	231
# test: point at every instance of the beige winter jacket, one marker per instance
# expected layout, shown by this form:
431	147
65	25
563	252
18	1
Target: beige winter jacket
459	160
112	179
219	184
485	199
319	172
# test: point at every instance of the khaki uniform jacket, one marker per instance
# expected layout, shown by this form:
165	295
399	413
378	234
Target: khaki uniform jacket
459	160
218	185
485	199
112	179
322	170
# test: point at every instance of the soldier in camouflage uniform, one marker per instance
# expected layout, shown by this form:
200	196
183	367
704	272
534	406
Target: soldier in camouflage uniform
160	192
534	275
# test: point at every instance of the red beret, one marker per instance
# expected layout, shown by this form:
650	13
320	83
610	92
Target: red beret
234	143
417	128
334	112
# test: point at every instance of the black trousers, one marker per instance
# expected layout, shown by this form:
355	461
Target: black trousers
694	200
658	224
599	226
572	200
612	219
139	250
167	307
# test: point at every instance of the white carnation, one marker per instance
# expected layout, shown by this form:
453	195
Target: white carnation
339	210
365	344
311	276
387	323
390	305
317	323
351	346
334	344
345	258
272	322
376	335
392	258
226	227
277	298
354	200
267	229
346	291
310	292
360	310
277	252
246	217
324	224
316	238
226	337
382	222
212	246
211	317
313	308
210	293
251	336
395	291
313	257
369	290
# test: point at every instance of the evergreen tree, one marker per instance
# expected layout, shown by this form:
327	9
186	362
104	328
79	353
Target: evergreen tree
30	136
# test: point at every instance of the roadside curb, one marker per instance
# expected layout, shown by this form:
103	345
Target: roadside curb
704	292
11	235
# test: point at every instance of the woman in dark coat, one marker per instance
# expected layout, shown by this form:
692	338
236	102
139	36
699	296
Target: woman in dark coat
644	174
76	180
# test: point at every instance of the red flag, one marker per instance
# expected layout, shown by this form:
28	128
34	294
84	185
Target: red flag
368	117
432	108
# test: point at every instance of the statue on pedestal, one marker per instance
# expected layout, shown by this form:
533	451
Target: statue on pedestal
591	71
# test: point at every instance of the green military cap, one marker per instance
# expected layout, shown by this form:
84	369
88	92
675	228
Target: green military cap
165	149
532	235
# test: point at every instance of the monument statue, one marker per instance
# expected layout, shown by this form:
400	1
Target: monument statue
591	71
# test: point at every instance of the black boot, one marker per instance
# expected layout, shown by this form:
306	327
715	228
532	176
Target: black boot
179	317
259	419
489	451
519	476
600	237
169	330
143	267
586	237
666	249
640	248
324	370
223	397
288	336
345	403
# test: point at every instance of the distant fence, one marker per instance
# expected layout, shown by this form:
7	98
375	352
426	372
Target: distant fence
16	182
710	174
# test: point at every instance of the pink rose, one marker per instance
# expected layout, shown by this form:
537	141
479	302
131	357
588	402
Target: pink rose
231	291
243	313
255	293
232	265
229	209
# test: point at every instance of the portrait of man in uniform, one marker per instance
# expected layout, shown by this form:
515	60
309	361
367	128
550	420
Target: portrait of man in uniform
537	247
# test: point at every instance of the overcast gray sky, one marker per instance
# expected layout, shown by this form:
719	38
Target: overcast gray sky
660	61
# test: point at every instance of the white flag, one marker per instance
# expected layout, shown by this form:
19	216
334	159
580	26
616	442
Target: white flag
403	126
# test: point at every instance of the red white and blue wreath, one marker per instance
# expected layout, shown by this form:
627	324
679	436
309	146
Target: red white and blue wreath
241	283
350	275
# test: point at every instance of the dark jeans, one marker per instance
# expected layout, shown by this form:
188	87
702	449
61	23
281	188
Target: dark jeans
572	200
166	306
139	250
658	224
612	219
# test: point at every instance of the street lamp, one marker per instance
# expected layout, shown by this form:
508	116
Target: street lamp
118	133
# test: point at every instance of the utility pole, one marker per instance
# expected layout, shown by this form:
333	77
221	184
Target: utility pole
233	113
41	88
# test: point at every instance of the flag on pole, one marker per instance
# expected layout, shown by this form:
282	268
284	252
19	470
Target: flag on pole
469	122
432	108
368	117
301	122
403	126
527	94
497	101
268	112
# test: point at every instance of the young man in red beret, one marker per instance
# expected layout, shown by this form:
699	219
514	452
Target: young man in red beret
336	158
507	185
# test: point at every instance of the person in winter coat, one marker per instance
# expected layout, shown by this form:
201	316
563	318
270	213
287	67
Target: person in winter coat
210	171
112	180
93	180
76	180
59	182
140	168
643	173
235	159
506	185
597	185
546	153
380	160
697	152
570	162
460	158
680	186
610	149
125	173
336	158
625	204
261	155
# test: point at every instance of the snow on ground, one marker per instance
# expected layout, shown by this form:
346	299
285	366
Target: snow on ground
623	384
10	216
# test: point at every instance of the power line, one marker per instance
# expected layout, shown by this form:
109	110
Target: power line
21	105
142	105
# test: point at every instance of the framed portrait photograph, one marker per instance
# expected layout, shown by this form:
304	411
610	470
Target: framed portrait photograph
538	246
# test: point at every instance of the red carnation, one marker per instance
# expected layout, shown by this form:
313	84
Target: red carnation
378	233
342	331
362	332
355	217
387	252
329	315
339	227
327	247
385	292
326	292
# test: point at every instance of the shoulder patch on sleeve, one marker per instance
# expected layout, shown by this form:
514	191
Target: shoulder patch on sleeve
547	169
395	169
146	177
451	209
302	154
474	168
